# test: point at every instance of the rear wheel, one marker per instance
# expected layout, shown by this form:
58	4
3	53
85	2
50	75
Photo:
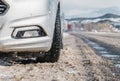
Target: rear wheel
53	54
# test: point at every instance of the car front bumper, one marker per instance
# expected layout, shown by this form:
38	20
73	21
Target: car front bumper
8	43
26	13
30	44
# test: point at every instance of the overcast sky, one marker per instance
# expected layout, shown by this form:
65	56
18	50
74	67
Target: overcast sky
90	8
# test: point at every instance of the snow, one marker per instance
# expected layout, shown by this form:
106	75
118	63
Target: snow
65	35
99	19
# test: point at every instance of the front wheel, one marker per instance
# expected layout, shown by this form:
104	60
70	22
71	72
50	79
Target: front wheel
53	54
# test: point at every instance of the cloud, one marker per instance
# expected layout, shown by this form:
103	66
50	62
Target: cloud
77	12
87	7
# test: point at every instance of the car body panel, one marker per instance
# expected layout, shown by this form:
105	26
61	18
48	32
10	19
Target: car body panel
23	13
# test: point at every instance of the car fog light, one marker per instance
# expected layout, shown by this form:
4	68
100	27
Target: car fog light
28	32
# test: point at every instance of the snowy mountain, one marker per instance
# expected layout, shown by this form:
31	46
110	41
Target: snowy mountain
109	17
113	10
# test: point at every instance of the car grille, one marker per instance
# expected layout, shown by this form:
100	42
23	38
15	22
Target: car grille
3	7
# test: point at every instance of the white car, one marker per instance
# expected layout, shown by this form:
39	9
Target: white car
31	26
